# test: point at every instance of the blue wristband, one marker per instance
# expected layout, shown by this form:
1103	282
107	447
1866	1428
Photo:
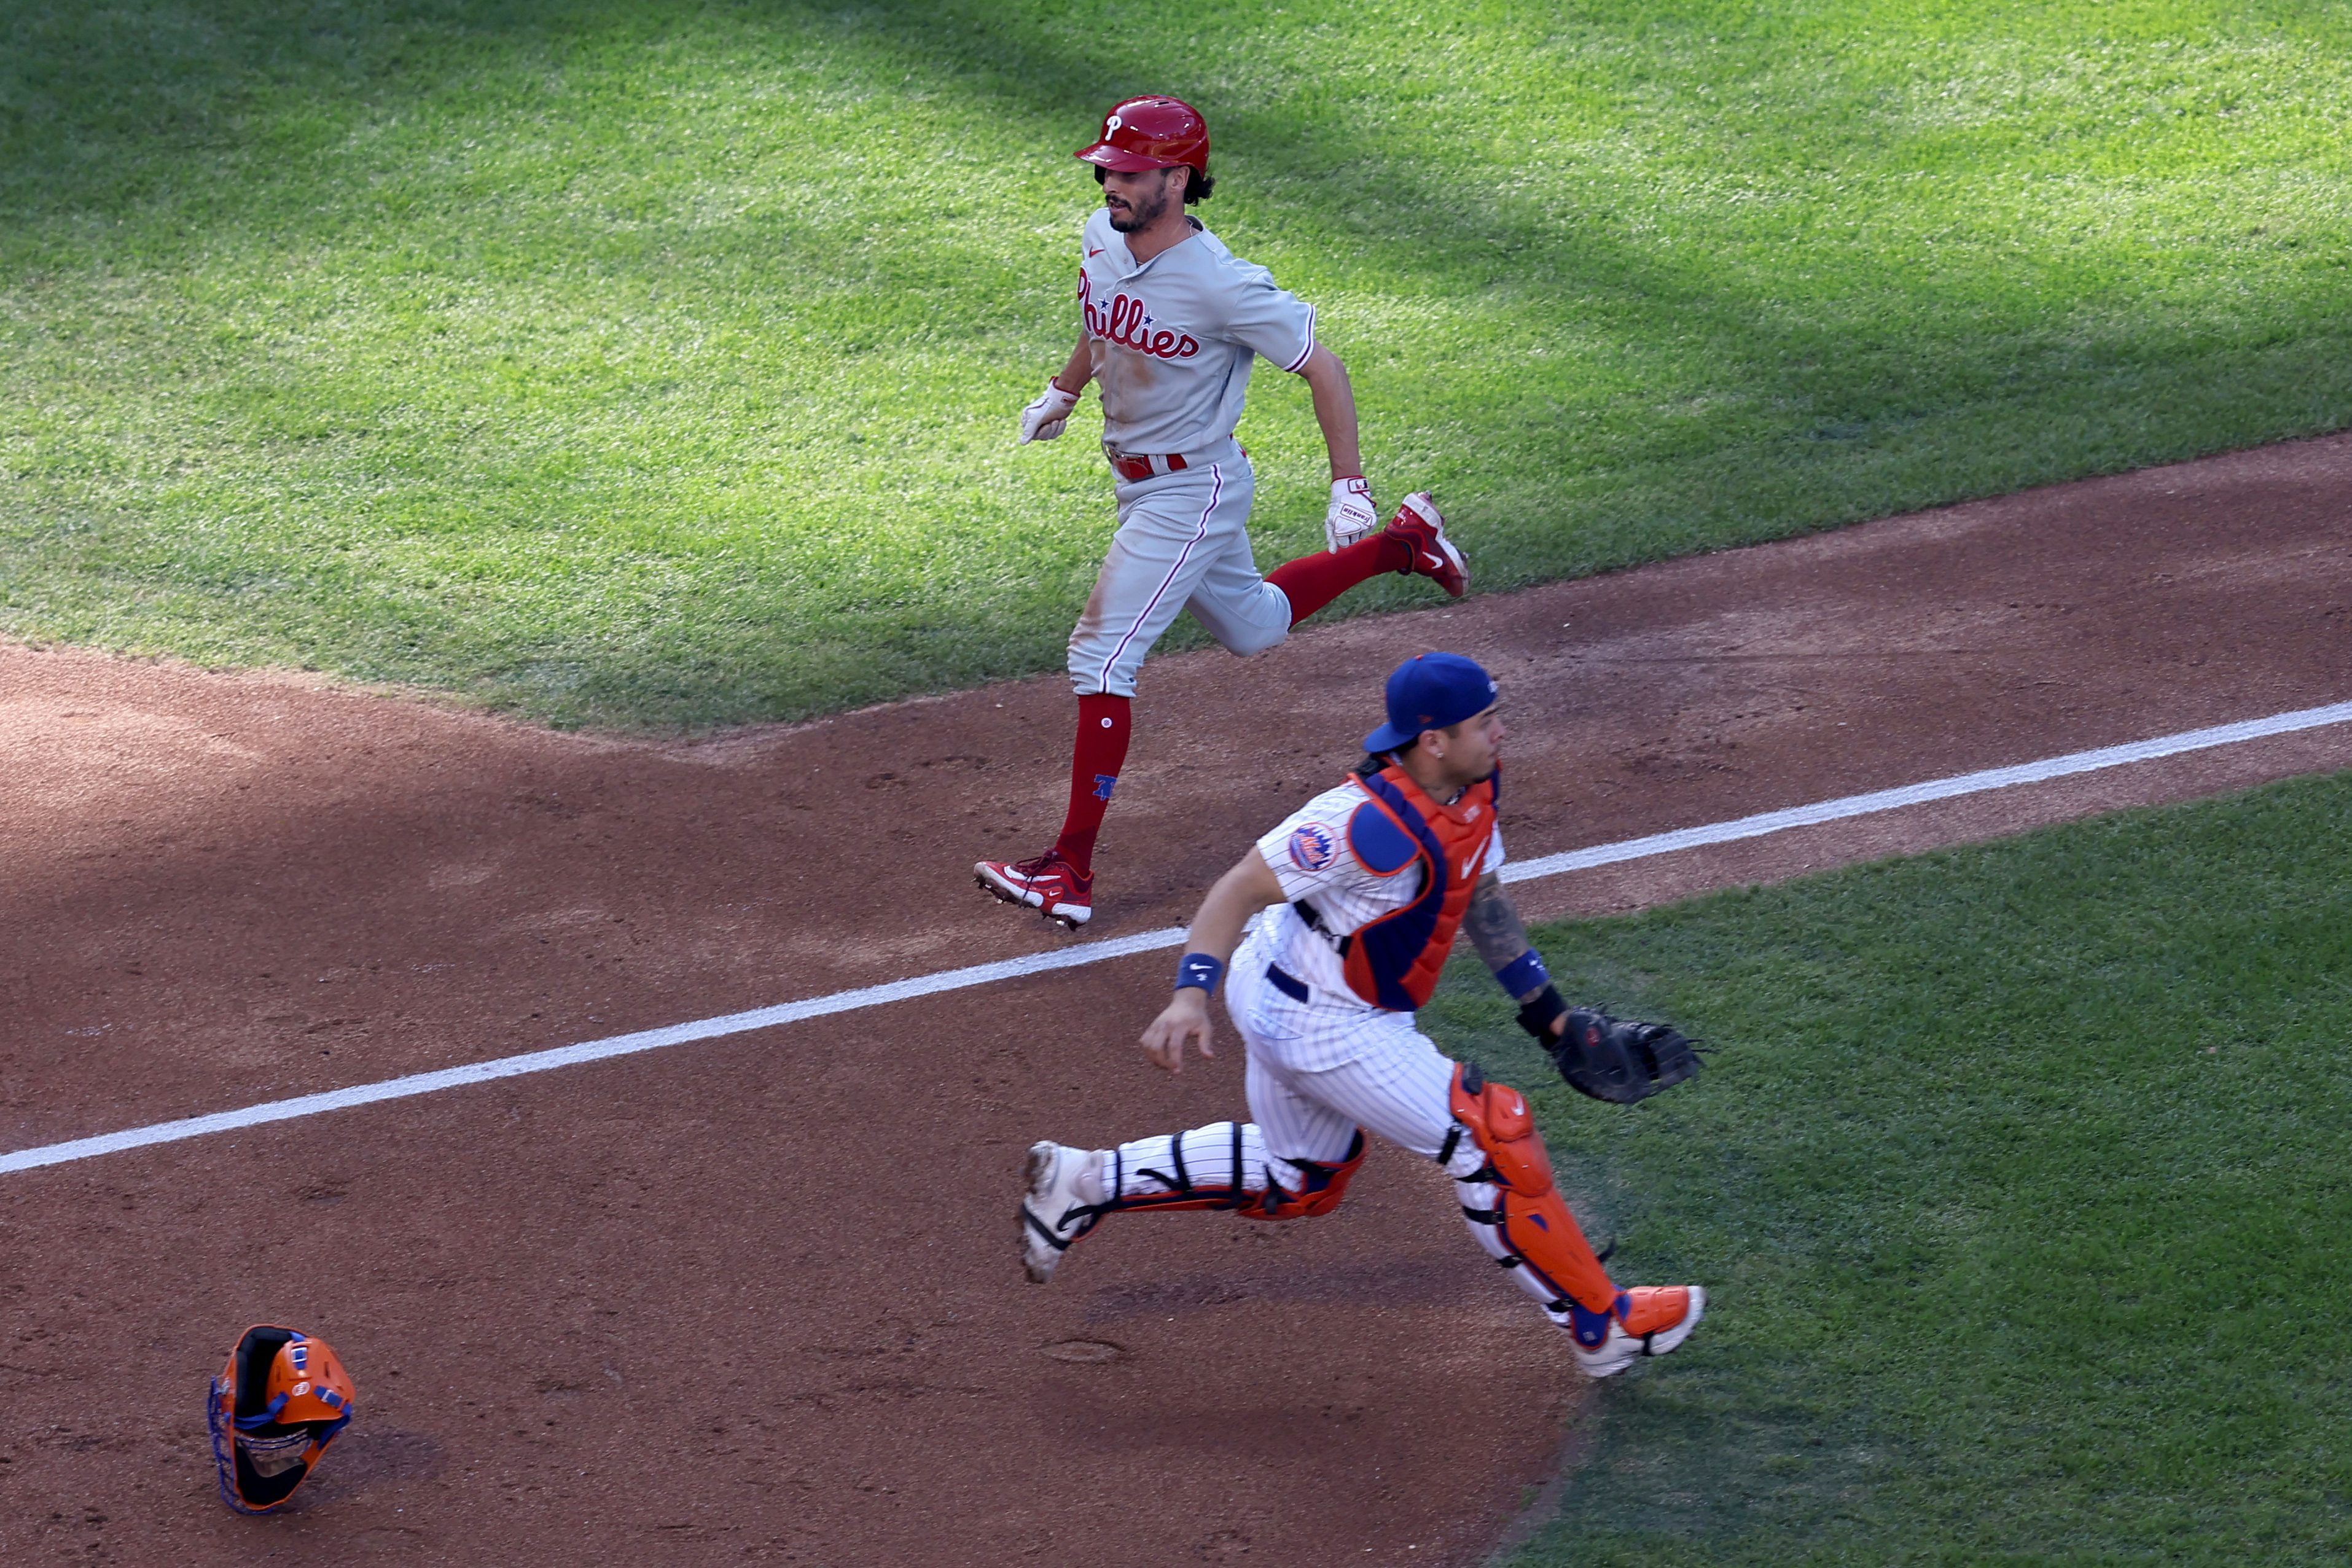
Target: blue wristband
1199	969
1524	974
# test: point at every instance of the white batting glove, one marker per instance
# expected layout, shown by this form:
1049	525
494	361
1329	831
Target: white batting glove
1350	515
1048	416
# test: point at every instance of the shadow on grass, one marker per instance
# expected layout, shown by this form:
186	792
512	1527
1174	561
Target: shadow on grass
1593	394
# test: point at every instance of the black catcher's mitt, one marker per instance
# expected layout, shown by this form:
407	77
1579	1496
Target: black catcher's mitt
1620	1060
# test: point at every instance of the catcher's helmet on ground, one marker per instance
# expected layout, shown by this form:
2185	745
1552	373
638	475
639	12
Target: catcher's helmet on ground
280	1400
1150	133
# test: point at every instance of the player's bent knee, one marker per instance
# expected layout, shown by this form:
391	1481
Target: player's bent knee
1528	1228
1496	1118
1320	1188
1256	641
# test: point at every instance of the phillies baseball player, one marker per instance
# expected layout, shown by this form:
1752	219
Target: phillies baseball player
1371	880
1171	322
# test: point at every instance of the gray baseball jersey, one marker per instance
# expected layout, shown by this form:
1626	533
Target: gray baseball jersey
1173	340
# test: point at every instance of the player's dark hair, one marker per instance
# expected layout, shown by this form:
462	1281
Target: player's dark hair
1198	187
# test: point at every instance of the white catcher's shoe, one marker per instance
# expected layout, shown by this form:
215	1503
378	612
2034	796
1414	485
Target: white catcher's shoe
1648	1320
1052	1213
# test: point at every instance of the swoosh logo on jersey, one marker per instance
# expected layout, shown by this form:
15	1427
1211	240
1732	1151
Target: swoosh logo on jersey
1094	253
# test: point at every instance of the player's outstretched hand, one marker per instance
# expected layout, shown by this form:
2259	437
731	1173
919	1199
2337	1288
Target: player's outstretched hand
1621	1060
1351	515
1184	1021
1048	416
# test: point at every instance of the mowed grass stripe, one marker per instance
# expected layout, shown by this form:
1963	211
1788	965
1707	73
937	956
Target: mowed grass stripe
2020	1186
651	365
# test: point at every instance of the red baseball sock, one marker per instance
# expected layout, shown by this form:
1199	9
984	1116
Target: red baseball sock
1093	769
1313	582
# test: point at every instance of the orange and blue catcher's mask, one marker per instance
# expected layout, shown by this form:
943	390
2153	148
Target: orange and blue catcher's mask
280	1400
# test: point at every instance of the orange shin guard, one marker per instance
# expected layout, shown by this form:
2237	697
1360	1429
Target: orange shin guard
1537	1231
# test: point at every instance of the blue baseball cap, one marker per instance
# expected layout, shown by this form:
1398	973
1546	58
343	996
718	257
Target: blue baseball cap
1431	691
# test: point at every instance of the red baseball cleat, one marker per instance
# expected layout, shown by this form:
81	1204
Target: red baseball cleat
1433	555
1048	884
1649	1320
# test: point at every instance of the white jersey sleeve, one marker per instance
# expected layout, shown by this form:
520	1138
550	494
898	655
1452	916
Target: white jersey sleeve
1308	851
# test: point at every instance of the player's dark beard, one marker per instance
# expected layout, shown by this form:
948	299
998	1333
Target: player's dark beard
1139	216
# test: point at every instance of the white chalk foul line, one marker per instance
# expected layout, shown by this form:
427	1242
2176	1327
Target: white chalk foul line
1847	806
1152	941
586	1051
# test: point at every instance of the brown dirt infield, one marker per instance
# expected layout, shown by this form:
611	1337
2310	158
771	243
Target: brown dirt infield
755	1299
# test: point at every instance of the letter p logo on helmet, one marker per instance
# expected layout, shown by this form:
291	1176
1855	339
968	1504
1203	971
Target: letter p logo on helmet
1152	133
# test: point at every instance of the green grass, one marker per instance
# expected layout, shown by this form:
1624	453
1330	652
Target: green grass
2020	1185
651	365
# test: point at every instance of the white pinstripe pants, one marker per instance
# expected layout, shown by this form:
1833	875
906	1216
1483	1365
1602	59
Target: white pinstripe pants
1394	1083
1183	544
1401	1092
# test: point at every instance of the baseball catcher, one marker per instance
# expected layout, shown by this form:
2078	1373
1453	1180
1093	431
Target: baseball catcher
1368	884
280	1400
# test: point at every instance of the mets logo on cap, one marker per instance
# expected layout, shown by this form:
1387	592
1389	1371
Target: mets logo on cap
1312	846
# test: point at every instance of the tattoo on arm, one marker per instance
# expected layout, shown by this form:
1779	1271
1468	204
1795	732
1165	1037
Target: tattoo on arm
1495	927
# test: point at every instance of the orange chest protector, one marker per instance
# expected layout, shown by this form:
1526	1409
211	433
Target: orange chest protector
1394	962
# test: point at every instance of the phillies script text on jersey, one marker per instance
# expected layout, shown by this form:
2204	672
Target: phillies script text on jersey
1127	324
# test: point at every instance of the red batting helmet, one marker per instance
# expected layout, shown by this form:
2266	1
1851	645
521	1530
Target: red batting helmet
1150	133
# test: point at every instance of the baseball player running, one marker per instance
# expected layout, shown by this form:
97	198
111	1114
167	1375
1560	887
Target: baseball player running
1369	882
1171	323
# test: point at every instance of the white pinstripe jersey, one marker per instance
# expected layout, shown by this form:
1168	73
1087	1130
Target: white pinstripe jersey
1173	340
1310	856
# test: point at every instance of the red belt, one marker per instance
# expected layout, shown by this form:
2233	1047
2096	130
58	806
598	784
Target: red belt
1132	469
